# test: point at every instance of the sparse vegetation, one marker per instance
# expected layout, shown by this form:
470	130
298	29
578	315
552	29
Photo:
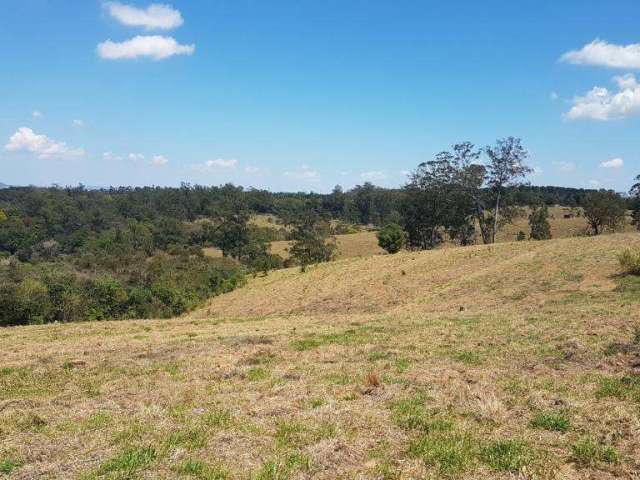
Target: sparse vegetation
630	261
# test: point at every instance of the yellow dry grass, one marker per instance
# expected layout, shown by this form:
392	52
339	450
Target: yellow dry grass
515	360
361	244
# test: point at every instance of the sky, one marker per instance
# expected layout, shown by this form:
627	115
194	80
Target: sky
302	95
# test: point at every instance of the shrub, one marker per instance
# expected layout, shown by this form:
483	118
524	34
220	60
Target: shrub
630	261
392	238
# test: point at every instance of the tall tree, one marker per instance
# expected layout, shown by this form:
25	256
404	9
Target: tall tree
442	196
635	205
506	168
604	209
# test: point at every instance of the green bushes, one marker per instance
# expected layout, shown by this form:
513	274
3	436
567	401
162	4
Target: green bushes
630	261
392	238
161	286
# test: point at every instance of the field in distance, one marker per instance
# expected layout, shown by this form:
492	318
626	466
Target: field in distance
565	222
515	360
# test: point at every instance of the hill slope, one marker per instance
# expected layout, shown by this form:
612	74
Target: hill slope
475	278
484	362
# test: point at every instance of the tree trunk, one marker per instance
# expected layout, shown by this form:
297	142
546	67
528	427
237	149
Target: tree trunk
495	219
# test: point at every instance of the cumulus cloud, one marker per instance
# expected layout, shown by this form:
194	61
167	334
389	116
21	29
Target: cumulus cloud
154	17
305	172
564	166
604	54
156	47
614	163
37	114
78	123
221	163
26	140
373	175
601	104
136	157
159	160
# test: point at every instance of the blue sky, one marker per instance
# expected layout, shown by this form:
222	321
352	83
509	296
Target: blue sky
303	95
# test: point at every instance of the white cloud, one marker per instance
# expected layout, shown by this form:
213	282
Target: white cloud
159	160
564	166
373	175
601	104
156	47
554	96
614	163
604	54
154	17
78	123
251	169
111	157
26	140
595	183
405	173
136	157
37	114
221	163
303	173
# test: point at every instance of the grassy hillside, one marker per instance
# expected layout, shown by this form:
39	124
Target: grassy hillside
517	360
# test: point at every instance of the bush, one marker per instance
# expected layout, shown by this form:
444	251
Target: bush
392	238
630	261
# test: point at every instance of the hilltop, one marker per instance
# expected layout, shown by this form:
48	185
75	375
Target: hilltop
477	362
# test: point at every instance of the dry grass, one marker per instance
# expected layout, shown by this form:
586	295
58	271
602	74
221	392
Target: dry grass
457	363
352	245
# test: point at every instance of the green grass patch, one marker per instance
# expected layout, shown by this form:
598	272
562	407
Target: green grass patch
218	418
412	414
8	466
587	452
506	455
256	374
202	470
552	421
289	433
625	388
282	468
469	358
189	438
449	453
129	462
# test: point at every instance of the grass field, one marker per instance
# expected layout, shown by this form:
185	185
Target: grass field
517	360
365	243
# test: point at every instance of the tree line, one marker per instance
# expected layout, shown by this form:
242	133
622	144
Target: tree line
72	253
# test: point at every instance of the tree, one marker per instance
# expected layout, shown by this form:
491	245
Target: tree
539	223
506	168
635	205
604	209
391	238
231	235
443	196
311	242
